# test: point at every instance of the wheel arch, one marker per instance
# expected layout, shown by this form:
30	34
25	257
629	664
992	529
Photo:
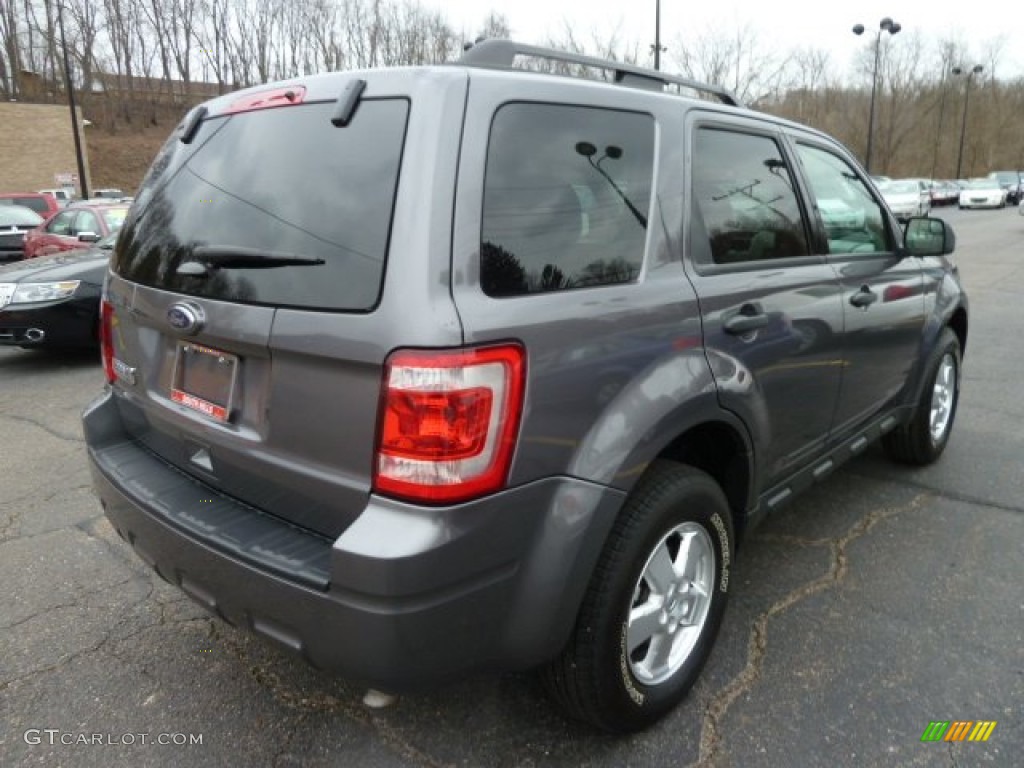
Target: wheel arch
958	323
721	449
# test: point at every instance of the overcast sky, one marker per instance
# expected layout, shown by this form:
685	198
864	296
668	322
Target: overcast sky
824	24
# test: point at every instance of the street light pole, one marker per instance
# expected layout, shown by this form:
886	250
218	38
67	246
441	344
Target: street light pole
892	27
938	130
657	35
69	86
976	69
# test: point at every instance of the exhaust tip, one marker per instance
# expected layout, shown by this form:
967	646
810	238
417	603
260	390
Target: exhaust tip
35	335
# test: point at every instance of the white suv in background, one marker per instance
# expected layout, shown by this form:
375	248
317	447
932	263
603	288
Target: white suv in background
63	196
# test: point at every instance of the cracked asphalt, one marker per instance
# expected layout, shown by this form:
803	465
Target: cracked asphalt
882	600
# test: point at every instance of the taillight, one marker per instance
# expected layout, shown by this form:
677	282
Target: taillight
107	339
448	422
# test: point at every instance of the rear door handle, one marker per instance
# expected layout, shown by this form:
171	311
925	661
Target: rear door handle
749	318
864	298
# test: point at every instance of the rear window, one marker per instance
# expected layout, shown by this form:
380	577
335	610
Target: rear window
280	182
37	204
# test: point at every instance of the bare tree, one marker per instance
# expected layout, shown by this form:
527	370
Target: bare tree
84	21
737	61
495	26
10	51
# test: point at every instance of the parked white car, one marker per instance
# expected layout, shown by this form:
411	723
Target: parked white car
924	189
904	198
983	193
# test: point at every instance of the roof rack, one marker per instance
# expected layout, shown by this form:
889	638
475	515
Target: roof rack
501	54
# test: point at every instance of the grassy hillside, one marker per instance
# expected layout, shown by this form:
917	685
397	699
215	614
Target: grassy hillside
121	159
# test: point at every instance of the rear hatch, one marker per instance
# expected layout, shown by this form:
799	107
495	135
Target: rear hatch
247	348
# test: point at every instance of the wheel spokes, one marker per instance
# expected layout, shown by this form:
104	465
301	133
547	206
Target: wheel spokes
660	652
661	571
687	559
943	397
645	621
671	601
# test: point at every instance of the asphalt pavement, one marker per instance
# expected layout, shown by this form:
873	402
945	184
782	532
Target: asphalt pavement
882	601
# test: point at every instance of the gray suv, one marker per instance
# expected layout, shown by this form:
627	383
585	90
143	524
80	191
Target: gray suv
425	372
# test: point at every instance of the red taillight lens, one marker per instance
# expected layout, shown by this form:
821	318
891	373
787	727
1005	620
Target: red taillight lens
448	422
107	339
433	426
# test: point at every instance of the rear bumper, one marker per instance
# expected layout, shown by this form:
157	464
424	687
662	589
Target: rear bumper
406	597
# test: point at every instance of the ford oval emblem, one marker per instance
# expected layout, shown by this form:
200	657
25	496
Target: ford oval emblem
185	318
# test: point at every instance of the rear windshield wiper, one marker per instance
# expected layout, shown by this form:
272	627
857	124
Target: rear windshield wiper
206	257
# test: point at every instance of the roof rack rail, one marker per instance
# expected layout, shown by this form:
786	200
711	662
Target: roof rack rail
501	54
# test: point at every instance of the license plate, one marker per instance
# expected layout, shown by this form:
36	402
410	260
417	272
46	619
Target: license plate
204	380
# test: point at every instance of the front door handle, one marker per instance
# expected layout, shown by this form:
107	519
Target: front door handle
749	318
864	298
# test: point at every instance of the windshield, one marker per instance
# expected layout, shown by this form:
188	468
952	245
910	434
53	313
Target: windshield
984	184
281	181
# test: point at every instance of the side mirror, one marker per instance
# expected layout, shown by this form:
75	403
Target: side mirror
926	236
88	237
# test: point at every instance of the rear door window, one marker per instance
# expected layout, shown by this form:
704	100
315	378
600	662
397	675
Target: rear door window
566	198
280	182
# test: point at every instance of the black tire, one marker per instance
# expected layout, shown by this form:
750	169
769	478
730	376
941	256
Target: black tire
595	678
916	442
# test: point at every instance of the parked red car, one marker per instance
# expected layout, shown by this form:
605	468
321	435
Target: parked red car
77	226
43	204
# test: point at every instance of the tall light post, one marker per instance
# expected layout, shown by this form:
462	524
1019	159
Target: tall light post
892	27
975	70
938	129
69	86
657	47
